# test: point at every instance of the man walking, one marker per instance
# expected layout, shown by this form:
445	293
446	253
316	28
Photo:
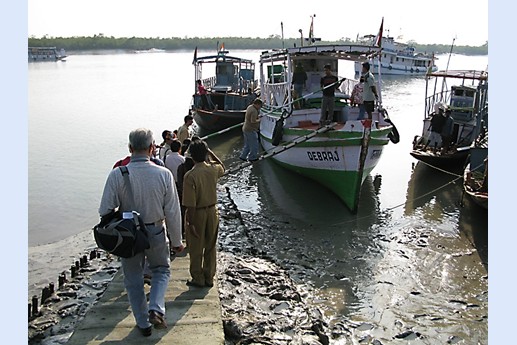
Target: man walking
250	130
156	199
183	131
202	221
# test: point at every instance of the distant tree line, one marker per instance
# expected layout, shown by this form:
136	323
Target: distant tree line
102	42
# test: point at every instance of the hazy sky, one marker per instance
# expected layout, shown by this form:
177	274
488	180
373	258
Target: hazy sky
434	21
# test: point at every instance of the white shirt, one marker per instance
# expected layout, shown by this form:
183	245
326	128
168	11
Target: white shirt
172	162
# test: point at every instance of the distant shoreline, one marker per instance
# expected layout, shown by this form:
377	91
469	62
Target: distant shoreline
101	42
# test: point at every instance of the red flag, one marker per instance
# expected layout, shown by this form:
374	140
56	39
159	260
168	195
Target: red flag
378	39
195	56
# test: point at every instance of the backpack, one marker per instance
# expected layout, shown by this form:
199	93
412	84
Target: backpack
122	233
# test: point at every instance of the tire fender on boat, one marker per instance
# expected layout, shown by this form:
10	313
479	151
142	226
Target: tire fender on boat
389	67
411	70
394	134
278	131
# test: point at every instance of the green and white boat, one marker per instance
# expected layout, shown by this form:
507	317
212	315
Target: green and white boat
339	156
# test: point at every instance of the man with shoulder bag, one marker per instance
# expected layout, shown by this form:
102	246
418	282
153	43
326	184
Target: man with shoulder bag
155	198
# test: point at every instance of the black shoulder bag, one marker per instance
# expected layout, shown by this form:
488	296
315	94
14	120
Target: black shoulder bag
122	233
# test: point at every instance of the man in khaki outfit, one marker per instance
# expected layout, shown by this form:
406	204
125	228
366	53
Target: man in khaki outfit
202	221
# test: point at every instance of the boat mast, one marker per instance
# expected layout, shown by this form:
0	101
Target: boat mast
444	83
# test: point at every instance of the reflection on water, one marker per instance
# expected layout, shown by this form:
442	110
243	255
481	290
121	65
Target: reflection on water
433	193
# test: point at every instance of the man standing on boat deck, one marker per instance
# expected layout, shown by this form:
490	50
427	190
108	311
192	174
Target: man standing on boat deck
327	101
299	80
250	130
447	130
201	219
183	131
437	122
370	94
156	199
203	93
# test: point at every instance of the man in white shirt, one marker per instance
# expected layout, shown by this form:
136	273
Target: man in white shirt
173	159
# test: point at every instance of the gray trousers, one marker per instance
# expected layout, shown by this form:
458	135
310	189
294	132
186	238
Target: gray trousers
327	110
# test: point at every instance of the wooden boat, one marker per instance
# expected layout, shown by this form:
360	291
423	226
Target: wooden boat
46	54
338	156
465	94
475	176
229	91
399	58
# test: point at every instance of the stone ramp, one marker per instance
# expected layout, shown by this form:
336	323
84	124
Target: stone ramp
193	315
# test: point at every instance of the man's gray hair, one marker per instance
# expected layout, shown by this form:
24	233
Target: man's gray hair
140	139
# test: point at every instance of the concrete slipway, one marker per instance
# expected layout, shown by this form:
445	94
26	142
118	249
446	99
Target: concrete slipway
193	315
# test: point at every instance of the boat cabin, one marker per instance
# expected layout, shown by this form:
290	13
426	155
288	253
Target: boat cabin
462	102
231	74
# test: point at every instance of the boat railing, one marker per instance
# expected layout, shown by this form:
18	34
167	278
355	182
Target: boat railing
443	97
347	86
247	86
276	96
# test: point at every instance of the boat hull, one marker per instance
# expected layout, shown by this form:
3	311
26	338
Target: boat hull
394	69
453	162
470	188
214	121
332	159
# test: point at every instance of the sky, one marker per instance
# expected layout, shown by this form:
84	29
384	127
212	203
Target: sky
438	22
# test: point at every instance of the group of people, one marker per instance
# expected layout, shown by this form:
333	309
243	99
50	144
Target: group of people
177	201
363	95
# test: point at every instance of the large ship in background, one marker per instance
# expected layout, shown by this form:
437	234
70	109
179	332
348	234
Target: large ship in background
398	58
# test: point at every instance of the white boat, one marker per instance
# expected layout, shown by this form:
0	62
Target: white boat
339	156
46	54
399	58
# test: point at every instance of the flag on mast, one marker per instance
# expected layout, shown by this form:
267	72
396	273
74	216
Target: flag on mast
195	56
378	39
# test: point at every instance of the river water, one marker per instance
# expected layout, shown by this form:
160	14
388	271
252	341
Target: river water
414	257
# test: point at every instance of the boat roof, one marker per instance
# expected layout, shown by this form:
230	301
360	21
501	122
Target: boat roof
460	74
352	52
222	57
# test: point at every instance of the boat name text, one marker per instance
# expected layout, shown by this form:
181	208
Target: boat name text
323	156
